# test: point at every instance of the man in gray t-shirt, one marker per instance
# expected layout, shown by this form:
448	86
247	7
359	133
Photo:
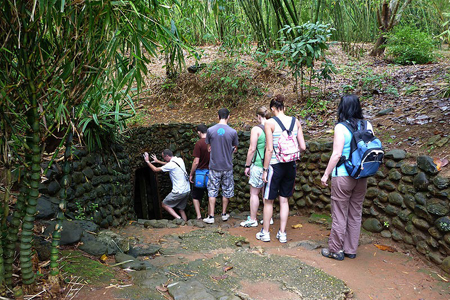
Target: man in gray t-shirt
222	141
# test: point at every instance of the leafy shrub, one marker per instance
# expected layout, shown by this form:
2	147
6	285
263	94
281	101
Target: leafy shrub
228	83
408	45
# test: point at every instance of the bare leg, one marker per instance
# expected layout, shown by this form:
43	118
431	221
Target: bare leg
254	202
183	214
284	213
267	214
225	204
211	206
197	208
171	211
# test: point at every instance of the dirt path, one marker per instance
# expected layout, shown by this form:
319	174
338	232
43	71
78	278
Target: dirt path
374	274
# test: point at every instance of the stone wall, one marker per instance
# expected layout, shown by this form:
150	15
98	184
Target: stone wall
407	200
100	188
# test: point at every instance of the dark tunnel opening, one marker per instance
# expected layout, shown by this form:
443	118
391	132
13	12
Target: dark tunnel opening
146	196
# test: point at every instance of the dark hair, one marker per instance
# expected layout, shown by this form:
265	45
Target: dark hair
202	128
277	102
349	109
223	113
263	112
167	152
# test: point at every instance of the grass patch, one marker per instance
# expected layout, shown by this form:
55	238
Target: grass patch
320	219
76	264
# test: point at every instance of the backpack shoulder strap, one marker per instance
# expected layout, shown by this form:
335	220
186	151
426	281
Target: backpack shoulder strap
261	126
280	123
180	167
292	124
348	126
363	124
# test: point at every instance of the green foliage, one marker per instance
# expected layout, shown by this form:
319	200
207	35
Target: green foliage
369	81
315	108
445	92
307	46
68	67
445	34
84	212
410	89
390	89
228	83
92	271
408	45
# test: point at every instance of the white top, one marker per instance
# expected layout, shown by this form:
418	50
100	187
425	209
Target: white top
177	174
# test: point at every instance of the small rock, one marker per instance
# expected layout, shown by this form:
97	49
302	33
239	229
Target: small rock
385	111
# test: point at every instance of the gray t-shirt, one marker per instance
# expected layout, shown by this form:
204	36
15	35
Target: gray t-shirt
222	138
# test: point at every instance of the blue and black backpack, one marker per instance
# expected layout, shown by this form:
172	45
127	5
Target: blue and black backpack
366	152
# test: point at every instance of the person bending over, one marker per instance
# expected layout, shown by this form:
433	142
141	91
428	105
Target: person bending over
178	197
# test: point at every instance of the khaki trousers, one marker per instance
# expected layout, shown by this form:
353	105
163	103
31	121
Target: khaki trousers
347	197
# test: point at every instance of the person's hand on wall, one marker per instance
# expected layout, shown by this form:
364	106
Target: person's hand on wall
155	160
146	157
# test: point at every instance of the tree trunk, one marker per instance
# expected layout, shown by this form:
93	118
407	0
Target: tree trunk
377	50
388	16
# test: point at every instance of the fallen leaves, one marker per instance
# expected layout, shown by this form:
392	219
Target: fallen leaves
103	258
162	288
385	248
226	269
217	278
296	226
440	163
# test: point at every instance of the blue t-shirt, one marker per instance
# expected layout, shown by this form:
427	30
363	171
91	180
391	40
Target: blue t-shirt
222	139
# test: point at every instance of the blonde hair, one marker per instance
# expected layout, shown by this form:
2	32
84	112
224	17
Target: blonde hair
263	112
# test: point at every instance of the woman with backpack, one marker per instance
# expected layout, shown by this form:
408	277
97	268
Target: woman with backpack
284	142
254	164
347	193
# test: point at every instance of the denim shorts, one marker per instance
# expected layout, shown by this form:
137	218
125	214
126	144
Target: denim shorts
256	179
218	179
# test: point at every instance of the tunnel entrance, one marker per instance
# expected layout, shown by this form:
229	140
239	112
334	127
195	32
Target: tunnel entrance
146	196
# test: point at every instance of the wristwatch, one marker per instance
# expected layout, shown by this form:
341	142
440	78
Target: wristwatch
265	169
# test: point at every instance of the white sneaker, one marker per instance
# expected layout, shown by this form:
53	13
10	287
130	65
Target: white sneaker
225	217
209	220
282	237
263	236
249	223
271	221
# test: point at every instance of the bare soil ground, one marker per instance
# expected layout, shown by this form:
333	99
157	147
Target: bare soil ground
374	274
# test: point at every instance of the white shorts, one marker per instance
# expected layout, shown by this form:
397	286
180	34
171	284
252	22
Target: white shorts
256	174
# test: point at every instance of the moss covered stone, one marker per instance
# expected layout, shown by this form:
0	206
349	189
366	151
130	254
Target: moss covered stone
372	225
426	164
395	198
387	185
409	169
421	182
396	154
